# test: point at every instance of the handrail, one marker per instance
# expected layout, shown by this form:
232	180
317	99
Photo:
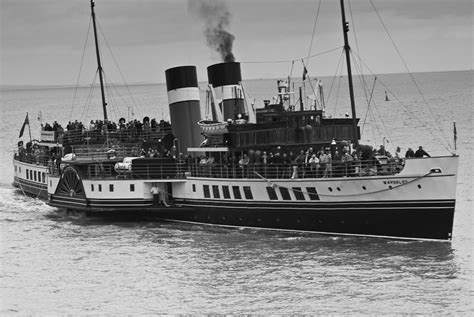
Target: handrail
297	171
122	135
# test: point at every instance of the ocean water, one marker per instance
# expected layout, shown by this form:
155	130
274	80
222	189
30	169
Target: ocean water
58	263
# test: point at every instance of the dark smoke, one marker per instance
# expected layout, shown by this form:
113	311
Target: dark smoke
216	17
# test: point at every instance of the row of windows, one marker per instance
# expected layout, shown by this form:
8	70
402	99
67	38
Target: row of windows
272	194
111	187
36	176
297	192
226	192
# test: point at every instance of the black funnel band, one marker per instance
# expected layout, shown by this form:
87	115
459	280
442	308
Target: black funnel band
181	77
224	74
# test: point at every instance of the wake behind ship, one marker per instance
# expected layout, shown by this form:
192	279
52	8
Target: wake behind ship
284	166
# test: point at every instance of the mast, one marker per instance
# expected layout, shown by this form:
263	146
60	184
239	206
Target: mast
347	49
99	66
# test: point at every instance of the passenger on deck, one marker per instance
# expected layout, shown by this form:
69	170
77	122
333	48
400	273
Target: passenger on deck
325	163
21	149
383	151
421	153
314	165
156	194
409	153
244	161
398	154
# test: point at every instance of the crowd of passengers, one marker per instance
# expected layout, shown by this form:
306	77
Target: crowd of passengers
34	153
100	127
332	161
146	125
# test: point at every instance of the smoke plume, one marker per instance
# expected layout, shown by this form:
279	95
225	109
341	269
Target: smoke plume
216	18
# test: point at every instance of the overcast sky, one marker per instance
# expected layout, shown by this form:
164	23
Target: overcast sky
42	41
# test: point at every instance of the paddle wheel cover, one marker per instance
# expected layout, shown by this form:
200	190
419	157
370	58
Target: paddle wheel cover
70	184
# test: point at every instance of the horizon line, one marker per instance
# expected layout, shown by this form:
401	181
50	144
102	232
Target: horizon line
52	86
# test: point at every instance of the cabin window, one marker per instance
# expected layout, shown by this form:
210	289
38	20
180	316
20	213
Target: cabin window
313	194
226	192
272	193
236	191
111	187
207	193
27	175
298	193
215	191
285	194
51	183
92	187
35	176
43	177
248	192
100	187
132	187
194	188
15	168
31	175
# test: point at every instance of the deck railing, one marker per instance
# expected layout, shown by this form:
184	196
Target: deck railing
99	136
169	170
288	171
99	152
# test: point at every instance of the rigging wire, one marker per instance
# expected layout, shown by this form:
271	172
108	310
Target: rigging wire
314	31
375	111
80	68
114	88
368	108
364	85
334	77
118	68
405	107
410	74
291	60
337	92
89	96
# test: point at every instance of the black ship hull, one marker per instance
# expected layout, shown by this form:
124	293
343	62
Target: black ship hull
33	189
425	220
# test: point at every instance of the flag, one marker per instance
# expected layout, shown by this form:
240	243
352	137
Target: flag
27	122
305	71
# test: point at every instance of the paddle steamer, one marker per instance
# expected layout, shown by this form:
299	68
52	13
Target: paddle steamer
247	167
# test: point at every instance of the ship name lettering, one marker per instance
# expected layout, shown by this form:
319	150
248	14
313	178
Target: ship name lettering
395	182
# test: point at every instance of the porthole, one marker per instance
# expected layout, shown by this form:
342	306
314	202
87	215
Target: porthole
390	187
330	189
419	186
364	188
338	189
